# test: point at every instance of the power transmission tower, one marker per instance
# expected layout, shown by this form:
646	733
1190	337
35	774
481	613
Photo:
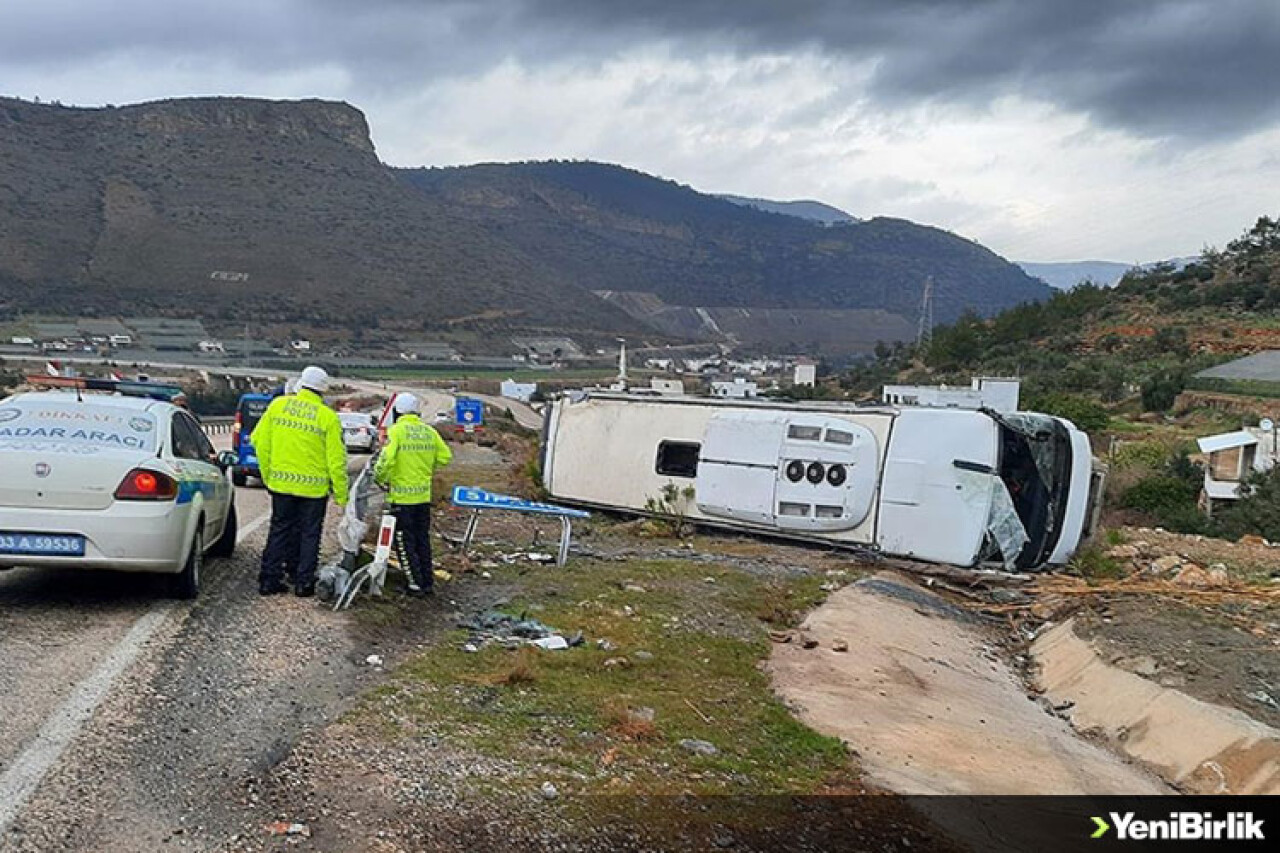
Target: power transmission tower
924	331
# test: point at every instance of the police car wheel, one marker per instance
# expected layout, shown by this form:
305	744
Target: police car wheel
226	544
186	584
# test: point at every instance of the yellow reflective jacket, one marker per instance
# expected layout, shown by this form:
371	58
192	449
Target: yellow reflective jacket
410	458
300	449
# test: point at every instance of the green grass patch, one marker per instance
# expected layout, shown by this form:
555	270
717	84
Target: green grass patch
575	717
1093	564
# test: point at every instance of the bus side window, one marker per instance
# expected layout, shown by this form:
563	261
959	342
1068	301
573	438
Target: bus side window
678	459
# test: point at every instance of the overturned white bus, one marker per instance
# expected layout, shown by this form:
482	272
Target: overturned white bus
943	485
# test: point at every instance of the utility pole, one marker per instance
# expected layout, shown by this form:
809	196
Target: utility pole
924	331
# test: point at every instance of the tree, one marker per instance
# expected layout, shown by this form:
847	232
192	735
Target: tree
1258	510
1161	390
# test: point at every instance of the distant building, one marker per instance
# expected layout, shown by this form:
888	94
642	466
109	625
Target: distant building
427	351
666	387
806	373
986	392
300	346
739	388
548	350
522	391
1233	456
22	341
211	347
120	340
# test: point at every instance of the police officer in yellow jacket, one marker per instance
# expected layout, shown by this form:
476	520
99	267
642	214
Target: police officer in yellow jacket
410	457
303	459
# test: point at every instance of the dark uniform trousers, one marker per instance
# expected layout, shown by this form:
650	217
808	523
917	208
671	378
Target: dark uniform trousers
293	541
413	541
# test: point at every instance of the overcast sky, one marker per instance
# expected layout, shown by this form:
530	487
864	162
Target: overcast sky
1128	130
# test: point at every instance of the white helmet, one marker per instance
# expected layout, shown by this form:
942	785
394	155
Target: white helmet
314	378
407	404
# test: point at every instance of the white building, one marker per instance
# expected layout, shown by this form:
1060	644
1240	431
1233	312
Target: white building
120	340
522	391
985	392
1233	456
666	387
22	341
739	388
300	346
211	346
806	373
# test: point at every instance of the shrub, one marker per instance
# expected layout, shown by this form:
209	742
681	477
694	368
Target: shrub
1081	411
1161	389
1258	512
1170	496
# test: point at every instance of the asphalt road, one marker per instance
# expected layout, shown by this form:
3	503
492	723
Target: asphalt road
129	720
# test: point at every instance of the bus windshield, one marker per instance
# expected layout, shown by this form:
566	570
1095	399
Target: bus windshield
1035	466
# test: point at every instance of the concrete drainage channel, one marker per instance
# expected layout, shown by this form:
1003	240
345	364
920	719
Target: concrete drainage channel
1199	747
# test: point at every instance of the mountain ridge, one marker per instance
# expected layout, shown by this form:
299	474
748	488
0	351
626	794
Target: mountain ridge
141	208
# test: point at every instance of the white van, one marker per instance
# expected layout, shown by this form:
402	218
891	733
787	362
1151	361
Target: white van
943	485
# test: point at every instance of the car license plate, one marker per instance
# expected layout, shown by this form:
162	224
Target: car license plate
42	544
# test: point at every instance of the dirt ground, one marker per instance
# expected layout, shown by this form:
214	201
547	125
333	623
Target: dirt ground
1208	653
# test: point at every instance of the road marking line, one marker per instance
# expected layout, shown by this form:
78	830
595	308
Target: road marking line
249	529
21	778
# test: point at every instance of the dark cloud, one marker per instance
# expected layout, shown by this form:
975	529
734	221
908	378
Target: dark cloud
1182	68
1193	69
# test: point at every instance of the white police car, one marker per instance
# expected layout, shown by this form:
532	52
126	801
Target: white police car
100	481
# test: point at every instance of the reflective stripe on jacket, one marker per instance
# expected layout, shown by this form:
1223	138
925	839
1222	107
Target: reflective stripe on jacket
409	459
299	447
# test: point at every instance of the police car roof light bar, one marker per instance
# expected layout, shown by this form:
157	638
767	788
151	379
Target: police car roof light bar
152	390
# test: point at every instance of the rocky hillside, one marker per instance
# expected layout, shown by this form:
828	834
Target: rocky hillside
615	229
244	209
236	209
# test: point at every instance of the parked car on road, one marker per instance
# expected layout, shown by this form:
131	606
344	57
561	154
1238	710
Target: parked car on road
359	431
249	411
106	481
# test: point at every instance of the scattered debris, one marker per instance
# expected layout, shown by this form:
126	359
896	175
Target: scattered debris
513	632
698	711
605	645
633	587
1265	698
281	827
549	791
839	646
780	636
612	663
374	660
808	641
698	747
642	655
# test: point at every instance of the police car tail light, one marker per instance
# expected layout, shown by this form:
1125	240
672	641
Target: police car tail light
235	431
143	485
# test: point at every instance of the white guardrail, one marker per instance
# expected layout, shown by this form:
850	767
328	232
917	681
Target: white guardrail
218	425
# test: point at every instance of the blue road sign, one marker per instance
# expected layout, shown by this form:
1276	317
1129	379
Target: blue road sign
480	499
468	412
